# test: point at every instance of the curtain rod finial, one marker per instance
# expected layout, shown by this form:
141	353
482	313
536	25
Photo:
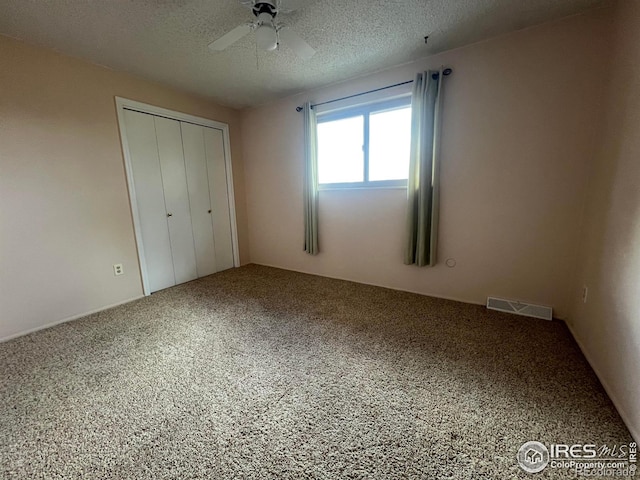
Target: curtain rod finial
298	109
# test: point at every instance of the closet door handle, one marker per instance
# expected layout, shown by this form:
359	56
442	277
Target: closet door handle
209	211
169	214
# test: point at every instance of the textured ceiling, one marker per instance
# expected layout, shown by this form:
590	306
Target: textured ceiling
166	40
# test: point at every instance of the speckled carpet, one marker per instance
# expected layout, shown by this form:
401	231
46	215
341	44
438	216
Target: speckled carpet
263	373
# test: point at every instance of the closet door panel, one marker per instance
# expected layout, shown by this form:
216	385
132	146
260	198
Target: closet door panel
199	198
176	198
147	180
216	169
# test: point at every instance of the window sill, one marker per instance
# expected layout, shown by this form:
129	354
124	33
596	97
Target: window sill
362	186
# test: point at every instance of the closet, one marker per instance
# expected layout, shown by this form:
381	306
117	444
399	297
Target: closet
180	191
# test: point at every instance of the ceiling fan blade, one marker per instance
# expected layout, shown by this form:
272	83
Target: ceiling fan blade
295	42
231	37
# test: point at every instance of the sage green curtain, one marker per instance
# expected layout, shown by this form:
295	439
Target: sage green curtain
310	188
422	188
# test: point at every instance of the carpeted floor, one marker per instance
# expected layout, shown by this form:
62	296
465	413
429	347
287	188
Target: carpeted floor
262	373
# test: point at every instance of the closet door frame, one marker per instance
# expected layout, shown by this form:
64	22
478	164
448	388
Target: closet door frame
123	104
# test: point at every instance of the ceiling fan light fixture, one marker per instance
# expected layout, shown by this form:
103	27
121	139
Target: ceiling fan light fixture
266	37
269	32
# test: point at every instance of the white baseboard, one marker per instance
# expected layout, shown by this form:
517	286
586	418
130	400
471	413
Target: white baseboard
426	294
461	300
635	432
68	319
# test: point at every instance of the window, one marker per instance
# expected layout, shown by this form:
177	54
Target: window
366	146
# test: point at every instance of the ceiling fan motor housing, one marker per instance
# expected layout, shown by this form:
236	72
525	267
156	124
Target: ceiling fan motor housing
266	33
264	7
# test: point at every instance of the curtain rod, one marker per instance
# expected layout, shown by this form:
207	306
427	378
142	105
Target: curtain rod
446	71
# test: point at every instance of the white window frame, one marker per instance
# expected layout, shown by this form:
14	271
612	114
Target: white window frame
364	111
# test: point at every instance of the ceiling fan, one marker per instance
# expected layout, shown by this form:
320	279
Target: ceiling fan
269	32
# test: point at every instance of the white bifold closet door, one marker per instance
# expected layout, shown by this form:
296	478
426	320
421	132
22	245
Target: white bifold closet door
176	199
180	183
207	185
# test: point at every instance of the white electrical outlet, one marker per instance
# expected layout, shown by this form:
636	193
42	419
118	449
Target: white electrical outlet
117	269
585	292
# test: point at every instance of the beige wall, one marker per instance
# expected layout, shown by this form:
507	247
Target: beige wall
65	214
521	117
608	325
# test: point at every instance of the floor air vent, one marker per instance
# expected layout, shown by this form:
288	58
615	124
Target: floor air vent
520	308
